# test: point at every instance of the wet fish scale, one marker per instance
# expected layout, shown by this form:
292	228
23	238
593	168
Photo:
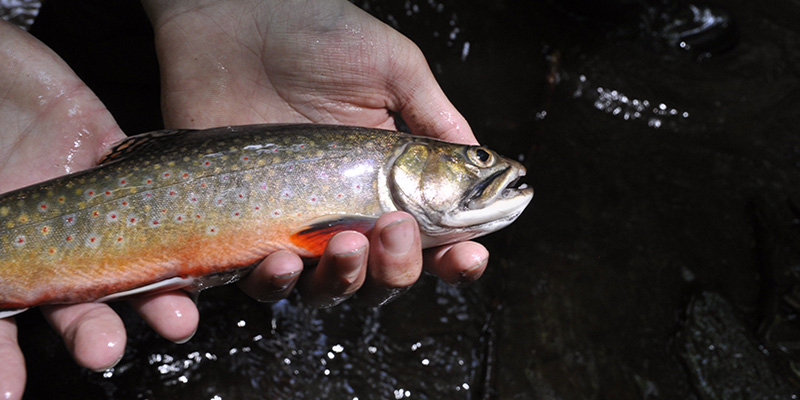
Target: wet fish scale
225	202
175	208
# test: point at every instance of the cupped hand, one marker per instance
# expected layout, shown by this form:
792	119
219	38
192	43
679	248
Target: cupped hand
254	61
52	125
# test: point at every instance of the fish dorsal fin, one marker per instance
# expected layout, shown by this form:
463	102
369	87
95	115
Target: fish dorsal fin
137	143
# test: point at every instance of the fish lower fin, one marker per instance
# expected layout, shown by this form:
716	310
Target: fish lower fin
11	313
316	235
161	286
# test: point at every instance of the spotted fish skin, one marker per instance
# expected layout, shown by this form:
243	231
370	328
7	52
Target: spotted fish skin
171	209
184	203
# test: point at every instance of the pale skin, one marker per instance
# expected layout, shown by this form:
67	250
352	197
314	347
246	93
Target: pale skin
225	63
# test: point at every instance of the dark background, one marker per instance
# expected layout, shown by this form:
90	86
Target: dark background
659	258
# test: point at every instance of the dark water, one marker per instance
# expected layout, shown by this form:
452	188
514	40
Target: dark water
660	257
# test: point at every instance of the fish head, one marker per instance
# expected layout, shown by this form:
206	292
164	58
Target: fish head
457	192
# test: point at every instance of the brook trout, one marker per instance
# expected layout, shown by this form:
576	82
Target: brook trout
180	208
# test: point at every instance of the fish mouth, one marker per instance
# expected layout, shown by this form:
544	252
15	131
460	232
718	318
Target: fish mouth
502	184
497	200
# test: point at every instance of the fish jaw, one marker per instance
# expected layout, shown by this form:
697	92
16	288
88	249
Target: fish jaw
470	224
493	204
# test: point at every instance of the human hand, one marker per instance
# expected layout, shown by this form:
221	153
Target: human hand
253	61
53	125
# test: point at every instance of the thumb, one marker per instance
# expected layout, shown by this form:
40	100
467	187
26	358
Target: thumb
422	104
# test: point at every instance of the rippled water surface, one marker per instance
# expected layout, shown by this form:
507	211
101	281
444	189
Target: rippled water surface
659	258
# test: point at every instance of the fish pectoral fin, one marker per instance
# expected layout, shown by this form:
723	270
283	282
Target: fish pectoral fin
315	236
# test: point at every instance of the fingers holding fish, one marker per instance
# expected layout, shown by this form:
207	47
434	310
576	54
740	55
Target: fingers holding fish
93	333
457	264
340	272
274	278
173	314
395	258
12	369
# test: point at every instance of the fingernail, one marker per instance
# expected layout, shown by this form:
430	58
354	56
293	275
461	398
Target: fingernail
188	338
284	281
353	260
398	237
472	274
114	364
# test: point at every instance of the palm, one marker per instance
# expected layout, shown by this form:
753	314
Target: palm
325	62
54	123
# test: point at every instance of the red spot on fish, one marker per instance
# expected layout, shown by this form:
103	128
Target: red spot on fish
155	222
163	210
51	250
119	239
61	199
207	163
92	239
172	193
90	193
95	213
245	158
198	216
107	193
124	203
149	181
132	220
20	239
166	174
236	214
302	146
45	229
68	238
193	200
185	175
256	208
43	206
203	185
122	182
70	219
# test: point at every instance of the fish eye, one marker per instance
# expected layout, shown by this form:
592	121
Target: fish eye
480	157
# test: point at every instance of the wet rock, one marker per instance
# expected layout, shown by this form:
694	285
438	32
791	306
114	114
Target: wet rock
722	357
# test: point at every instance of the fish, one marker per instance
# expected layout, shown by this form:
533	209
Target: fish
198	208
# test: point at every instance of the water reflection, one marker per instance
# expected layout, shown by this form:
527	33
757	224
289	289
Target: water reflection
618	104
